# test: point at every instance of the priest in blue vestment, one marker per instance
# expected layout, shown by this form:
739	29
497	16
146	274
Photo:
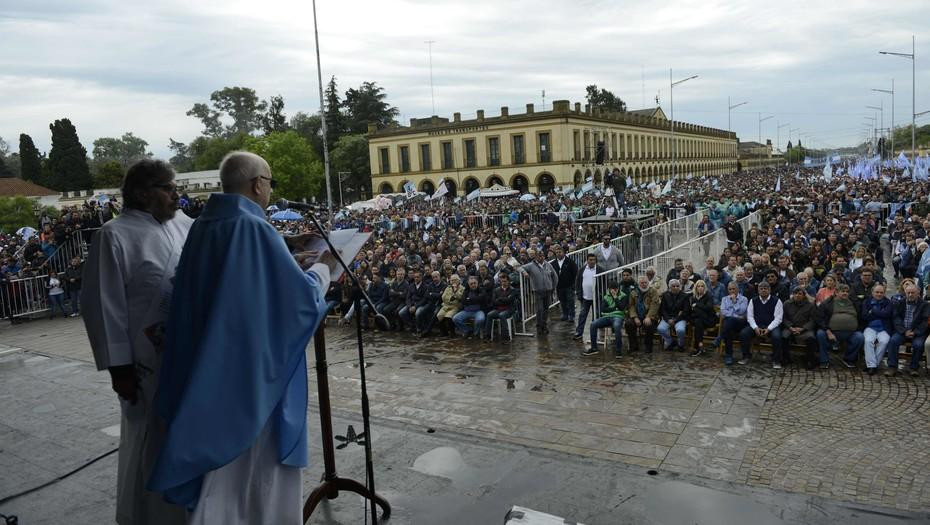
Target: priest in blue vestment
233	388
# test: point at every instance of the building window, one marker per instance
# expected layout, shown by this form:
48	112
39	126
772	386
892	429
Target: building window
544	154
519	155
470	153
426	163
385	160
577	143
494	151
587	145
447	160
404	159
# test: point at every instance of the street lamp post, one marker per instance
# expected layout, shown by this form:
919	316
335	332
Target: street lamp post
881	123
319	77
872	126
342	176
671	98
890	92
913	56
778	133
731	108
761	120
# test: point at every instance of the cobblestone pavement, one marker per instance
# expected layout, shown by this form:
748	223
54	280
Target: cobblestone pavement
836	434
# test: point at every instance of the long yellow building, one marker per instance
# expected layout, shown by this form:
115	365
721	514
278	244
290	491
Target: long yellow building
537	151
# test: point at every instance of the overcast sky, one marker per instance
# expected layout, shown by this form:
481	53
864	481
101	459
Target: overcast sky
115	66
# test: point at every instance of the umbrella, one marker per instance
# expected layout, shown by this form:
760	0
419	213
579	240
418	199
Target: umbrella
287	215
26	232
527	197
272	208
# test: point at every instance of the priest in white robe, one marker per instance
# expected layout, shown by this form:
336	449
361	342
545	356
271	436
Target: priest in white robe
127	287
233	391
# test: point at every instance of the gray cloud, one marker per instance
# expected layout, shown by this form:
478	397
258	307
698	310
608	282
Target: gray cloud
125	66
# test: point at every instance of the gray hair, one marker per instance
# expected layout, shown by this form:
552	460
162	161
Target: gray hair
240	167
674	282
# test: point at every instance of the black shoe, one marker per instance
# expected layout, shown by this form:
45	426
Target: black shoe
697	351
577	337
848	364
871	371
618	355
590	351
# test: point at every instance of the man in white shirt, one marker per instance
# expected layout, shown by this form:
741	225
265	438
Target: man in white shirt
764	315
584	289
127	286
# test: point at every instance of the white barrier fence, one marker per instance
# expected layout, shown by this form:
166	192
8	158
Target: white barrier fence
74	246
694	250
653	240
23	297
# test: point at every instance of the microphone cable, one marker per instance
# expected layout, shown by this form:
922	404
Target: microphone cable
11	497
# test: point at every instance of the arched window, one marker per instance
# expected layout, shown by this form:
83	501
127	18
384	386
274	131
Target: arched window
385	187
545	182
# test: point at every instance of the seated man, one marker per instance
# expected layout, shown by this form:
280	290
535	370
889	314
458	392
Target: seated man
613	306
397	296
910	325
473	303
503	301
426	314
416	299
673	314
378	293
799	325
643	313
763	315
839	321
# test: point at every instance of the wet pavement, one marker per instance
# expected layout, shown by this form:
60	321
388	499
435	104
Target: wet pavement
528	423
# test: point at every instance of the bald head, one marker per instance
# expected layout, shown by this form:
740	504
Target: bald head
238	168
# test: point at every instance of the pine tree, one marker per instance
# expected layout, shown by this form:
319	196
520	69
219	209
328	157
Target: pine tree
67	160
335	122
30	160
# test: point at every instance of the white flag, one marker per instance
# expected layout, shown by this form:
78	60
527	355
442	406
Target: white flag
410	189
629	181
440	191
667	188
778	184
473	195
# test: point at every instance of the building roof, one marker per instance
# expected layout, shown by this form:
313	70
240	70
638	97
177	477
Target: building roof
10	187
751	144
655	112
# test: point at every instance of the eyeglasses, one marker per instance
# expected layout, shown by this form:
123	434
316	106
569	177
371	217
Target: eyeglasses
170	188
271	182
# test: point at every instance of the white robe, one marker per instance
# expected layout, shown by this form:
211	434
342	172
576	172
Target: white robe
127	289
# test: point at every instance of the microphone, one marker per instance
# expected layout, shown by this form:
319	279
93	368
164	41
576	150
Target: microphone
284	204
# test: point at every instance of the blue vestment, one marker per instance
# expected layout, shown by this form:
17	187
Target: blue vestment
242	313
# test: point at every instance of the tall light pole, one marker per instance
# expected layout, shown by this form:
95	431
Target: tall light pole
778	133
881	121
761	146
319	78
731	108
432	94
671	99
890	92
873	126
342	176
913	56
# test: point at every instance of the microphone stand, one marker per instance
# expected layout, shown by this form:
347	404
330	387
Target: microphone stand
332	483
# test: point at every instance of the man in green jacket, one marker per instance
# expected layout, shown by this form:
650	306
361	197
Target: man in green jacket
613	310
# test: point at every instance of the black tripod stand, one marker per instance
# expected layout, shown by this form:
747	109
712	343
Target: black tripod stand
332	483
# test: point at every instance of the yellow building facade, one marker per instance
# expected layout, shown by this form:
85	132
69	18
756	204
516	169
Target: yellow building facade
537	151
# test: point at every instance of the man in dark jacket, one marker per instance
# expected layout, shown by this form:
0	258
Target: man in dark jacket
426	312
73	284
861	289
673	312
910	325
764	315
415	300
799	325
378	293
503	300
567	270
397	296
733	230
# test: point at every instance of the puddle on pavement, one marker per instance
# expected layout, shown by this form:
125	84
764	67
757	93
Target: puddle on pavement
678	502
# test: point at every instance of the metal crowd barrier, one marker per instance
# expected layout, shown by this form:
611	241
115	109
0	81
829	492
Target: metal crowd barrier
694	250
23	297
74	246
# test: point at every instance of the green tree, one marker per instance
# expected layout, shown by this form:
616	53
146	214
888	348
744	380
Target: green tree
209	151
124	150
4	148
30	160
310	128
16	212
335	120
367	104
293	162
210	118
603	99
182	160
5	171
67	159
242	105
109	174
350	154
274	119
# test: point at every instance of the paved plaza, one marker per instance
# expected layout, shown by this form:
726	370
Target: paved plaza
475	427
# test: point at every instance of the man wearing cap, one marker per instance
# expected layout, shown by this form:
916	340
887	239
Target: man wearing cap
799	325
764	315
